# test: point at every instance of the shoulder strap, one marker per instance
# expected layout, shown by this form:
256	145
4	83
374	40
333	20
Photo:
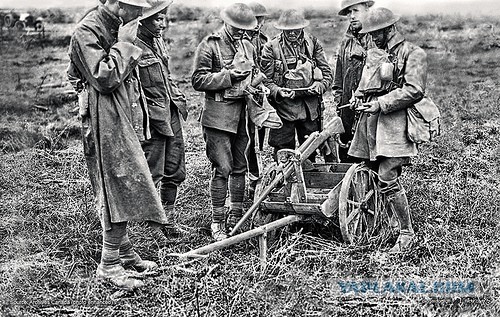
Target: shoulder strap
309	45
275	43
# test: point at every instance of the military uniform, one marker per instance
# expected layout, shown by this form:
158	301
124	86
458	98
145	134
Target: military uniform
259	39
302	114
381	133
223	119
349	66
115	119
166	105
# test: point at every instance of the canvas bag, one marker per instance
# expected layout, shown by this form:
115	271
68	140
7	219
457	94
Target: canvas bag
242	63
423	121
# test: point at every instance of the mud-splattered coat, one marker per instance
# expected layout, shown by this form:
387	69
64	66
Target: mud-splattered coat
385	133
116	121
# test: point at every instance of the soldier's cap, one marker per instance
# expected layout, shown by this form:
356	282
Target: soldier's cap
377	19
240	16
156	6
291	20
258	9
346	4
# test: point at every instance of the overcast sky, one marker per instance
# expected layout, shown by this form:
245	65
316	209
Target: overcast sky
472	7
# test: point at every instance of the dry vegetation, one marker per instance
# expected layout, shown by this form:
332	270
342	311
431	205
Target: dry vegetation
50	236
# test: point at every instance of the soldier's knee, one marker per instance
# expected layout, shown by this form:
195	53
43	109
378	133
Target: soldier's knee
390	187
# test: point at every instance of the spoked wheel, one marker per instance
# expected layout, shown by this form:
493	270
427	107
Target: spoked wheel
359	205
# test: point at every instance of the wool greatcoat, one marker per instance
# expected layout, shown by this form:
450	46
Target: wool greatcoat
384	134
116	121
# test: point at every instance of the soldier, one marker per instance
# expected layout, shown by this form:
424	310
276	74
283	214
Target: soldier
297	75
350	61
258	39
381	133
224	114
103	68
166	105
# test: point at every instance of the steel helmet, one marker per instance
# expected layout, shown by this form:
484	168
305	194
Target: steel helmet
258	9
156	6
136	3
291	20
345	4
239	15
377	19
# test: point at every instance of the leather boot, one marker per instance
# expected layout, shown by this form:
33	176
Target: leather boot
399	204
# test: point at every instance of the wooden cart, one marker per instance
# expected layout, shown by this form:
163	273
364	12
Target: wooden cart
288	192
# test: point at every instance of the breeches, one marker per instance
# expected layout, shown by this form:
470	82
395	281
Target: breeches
284	137
226	151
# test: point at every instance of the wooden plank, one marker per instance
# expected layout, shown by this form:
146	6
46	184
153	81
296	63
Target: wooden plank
322	179
289	208
259	231
330	206
316	198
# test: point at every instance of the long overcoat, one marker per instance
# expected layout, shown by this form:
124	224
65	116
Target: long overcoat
385	133
116	121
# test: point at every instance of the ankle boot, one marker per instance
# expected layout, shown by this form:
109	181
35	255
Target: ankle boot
116	275
218	225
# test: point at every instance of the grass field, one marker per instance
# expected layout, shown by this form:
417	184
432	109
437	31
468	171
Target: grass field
50	235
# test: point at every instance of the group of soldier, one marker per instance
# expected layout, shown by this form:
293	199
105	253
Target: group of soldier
131	111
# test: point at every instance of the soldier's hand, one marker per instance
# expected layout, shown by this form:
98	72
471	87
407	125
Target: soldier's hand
286	93
238	75
371	107
315	88
128	32
356	103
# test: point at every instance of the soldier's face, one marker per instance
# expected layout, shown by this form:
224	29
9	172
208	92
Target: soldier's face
292	35
156	23
128	12
356	14
379	37
235	32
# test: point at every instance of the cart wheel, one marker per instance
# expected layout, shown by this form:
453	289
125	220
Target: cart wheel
359	205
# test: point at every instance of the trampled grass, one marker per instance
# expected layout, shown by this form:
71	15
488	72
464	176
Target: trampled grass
50	235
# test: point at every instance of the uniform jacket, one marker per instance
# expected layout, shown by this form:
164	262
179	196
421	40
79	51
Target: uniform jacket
211	75
159	89
349	66
385	133
116	121
308	47
259	39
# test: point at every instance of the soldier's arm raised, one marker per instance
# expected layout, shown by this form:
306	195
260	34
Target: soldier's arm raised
105	71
